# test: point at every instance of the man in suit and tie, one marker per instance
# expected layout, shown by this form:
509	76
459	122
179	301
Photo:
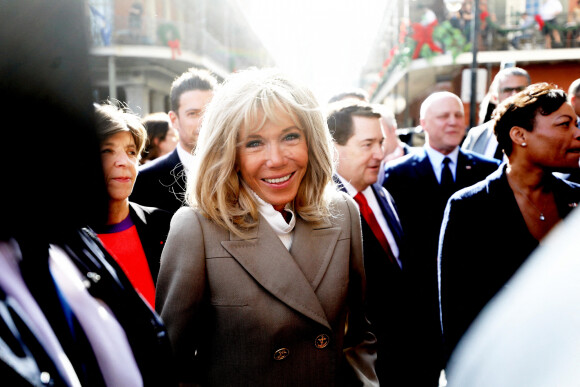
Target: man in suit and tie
358	136
161	183
506	83
420	184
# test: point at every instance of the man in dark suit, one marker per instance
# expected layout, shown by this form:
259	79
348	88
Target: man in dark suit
421	183
359	137
480	139
161	183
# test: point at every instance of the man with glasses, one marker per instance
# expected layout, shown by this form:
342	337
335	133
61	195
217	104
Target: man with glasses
481	139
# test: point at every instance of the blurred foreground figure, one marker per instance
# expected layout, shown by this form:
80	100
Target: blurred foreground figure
68	315
528	334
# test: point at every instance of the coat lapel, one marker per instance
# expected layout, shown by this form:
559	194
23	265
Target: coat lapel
313	248
389	213
267	260
424	170
465	169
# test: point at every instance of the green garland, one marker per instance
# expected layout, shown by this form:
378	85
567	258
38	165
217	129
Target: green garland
504	31
167	32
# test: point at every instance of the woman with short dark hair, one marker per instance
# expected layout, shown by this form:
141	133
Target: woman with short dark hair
491	228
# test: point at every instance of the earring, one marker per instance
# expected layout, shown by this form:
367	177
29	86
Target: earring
524	144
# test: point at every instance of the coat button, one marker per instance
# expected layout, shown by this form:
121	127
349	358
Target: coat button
321	341
46	379
281	354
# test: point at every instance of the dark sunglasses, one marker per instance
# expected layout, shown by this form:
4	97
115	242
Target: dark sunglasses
512	89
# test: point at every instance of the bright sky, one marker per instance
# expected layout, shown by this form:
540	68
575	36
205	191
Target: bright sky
322	42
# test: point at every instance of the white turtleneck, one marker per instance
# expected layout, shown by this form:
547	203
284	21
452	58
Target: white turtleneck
275	219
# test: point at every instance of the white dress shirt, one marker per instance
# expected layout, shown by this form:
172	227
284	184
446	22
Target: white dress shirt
185	157
436	159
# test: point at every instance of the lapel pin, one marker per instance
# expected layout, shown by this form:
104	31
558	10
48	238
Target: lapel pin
468	167
572	205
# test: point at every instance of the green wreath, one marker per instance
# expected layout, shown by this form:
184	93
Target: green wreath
167	32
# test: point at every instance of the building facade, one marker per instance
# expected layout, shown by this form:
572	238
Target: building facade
139	46
509	33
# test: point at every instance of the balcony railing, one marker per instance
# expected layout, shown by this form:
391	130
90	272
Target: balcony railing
419	41
123	30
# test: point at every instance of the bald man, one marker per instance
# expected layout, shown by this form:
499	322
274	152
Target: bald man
420	183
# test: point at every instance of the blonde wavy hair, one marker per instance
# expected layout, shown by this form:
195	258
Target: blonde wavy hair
246	100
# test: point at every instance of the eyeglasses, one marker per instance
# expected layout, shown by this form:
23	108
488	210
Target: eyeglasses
516	89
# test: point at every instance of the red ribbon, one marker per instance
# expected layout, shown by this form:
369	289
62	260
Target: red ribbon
424	35
540	22
175	48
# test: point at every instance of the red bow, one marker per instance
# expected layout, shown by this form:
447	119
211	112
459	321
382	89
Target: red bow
175	47
424	35
540	22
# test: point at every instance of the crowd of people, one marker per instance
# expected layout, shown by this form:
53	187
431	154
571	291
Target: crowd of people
270	239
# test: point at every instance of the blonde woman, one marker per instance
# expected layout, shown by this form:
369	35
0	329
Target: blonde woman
262	273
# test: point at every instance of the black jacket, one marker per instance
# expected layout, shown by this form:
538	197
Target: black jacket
484	240
161	183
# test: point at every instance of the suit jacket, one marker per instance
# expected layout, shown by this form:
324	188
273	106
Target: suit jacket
478	137
161	183
152	226
484	240
250	312
386	294
420	204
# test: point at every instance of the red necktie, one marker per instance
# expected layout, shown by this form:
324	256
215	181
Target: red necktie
367	213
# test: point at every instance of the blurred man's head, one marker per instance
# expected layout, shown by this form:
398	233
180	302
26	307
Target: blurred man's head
510	81
574	95
190	93
443	120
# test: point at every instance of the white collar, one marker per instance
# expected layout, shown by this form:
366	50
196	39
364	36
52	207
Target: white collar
185	157
276	220
437	157
367	192
347	186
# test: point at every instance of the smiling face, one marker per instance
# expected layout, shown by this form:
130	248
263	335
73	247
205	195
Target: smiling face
444	123
119	158
360	158
555	140
187	120
273	160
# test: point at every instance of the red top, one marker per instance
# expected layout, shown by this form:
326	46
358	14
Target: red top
123	242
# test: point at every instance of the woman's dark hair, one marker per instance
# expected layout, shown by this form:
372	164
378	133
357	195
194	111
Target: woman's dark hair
521	110
157	126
